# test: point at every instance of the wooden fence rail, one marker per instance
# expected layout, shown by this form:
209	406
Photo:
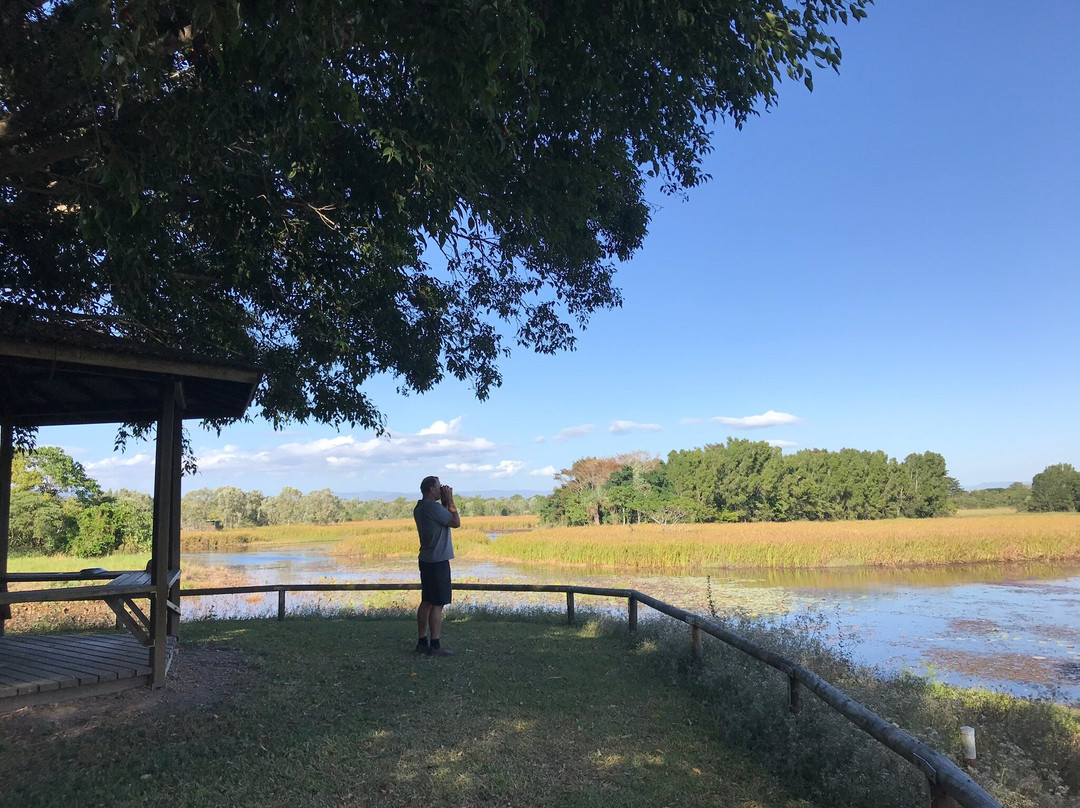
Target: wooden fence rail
949	785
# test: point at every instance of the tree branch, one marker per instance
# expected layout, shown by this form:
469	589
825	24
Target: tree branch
15	164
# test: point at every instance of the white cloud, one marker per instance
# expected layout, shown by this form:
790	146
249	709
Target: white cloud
442	428
572	432
783	444
508	468
338	456
140	460
770	418
539	439
505	468
622	427
546	471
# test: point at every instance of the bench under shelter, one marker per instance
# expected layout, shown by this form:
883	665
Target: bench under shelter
66	374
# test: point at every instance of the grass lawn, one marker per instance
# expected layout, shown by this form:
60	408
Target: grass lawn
341	712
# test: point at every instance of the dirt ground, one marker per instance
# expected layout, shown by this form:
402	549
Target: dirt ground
198	677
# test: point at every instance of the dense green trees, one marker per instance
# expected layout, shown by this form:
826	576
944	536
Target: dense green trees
1056	488
57	508
751	481
274	181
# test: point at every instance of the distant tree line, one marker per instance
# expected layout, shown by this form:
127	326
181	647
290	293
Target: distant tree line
750	481
229	507
1016	496
56	507
1055	488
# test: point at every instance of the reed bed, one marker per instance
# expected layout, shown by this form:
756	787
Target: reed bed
1016	537
395	544
762	545
885	543
380	534
66	563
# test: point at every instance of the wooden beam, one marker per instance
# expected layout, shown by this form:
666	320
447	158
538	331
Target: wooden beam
7	454
140	366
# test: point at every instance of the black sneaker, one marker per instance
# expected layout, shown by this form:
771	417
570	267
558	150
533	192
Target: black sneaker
440	652
423	648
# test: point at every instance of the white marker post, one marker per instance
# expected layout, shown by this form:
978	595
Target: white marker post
967	738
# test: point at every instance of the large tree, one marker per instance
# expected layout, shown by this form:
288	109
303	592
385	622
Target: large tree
337	189
1056	488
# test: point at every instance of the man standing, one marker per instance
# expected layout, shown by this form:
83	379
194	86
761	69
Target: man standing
435	514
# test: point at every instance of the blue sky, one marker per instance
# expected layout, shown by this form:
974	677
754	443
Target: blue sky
889	262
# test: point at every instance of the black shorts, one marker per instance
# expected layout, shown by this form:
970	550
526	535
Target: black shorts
435	582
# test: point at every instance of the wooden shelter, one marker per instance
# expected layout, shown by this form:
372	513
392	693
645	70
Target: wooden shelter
55	374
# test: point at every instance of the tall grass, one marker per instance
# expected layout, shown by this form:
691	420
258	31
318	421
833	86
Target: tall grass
888	543
969	513
762	545
1029	752
380	529
66	563
1015	537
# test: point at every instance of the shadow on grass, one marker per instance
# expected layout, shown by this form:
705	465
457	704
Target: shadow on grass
320	711
342	712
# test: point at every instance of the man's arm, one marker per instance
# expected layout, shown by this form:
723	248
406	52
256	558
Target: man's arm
447	495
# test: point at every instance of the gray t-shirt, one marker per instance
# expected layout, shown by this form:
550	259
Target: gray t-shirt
433	525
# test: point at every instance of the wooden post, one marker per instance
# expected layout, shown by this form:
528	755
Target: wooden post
173	620
570	608
159	560
794	696
938	797
631	613
281	603
7	454
695	642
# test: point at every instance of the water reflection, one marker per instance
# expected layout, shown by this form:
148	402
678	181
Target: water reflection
1009	627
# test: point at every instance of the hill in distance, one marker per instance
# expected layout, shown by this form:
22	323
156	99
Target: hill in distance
981	486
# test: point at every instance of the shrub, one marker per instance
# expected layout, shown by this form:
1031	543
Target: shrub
109	526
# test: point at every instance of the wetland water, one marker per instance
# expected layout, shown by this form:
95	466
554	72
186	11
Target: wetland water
1014	628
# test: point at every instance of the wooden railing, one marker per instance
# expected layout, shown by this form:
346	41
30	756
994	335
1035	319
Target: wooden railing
948	784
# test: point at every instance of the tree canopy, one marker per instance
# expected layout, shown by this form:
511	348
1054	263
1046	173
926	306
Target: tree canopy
1056	488
750	481
335	190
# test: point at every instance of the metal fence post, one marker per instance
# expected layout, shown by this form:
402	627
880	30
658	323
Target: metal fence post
631	613
570	607
281	603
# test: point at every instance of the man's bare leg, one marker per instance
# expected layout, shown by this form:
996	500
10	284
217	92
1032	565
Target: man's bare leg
435	621
423	615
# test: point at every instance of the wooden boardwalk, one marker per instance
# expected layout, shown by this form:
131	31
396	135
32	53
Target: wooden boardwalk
35	669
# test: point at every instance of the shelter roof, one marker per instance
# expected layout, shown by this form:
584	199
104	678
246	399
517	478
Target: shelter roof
65	373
